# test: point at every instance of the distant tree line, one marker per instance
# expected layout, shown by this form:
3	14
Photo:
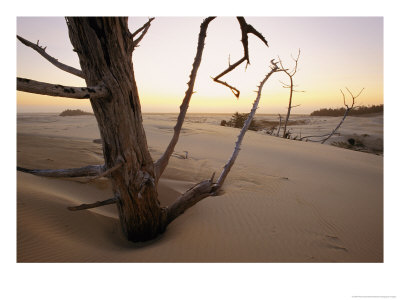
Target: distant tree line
75	112
360	110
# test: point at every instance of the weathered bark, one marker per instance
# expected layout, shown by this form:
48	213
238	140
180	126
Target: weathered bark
58	90
104	47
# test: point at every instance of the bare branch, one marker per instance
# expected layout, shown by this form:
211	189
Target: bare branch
145	28
208	188
91	170
145	25
196	193
246	125
43	88
348	109
55	62
296	60
310	136
93	205
245	29
162	162
291	86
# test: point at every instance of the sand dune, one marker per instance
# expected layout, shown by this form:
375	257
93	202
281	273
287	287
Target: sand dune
284	201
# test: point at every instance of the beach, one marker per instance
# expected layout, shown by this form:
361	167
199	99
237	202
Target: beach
283	201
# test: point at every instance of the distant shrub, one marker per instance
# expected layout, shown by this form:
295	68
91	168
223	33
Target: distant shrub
75	112
237	120
360	110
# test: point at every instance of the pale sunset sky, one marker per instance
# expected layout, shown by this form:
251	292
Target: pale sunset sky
336	52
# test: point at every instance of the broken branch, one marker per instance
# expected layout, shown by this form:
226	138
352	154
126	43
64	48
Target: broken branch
245	29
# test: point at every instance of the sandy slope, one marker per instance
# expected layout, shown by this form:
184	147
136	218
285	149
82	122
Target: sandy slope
284	201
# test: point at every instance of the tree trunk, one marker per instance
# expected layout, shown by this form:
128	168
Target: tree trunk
105	50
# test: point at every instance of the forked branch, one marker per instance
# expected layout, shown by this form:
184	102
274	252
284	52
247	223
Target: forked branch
92	170
44	88
142	29
290	74
162	162
348	109
245	29
209	187
54	61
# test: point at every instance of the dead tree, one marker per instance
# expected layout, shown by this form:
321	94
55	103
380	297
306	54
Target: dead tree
348	109
104	46
291	88
327	136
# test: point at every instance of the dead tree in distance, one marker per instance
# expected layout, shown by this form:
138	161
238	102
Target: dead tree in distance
348	109
104	46
289	86
327	136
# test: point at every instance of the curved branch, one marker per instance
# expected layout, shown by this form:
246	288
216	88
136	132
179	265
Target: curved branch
44	88
208	188
162	162
246	125
93	205
92	170
54	61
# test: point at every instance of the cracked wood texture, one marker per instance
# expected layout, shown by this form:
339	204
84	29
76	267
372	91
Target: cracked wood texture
104	48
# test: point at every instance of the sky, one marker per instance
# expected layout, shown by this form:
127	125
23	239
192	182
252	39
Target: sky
336	52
